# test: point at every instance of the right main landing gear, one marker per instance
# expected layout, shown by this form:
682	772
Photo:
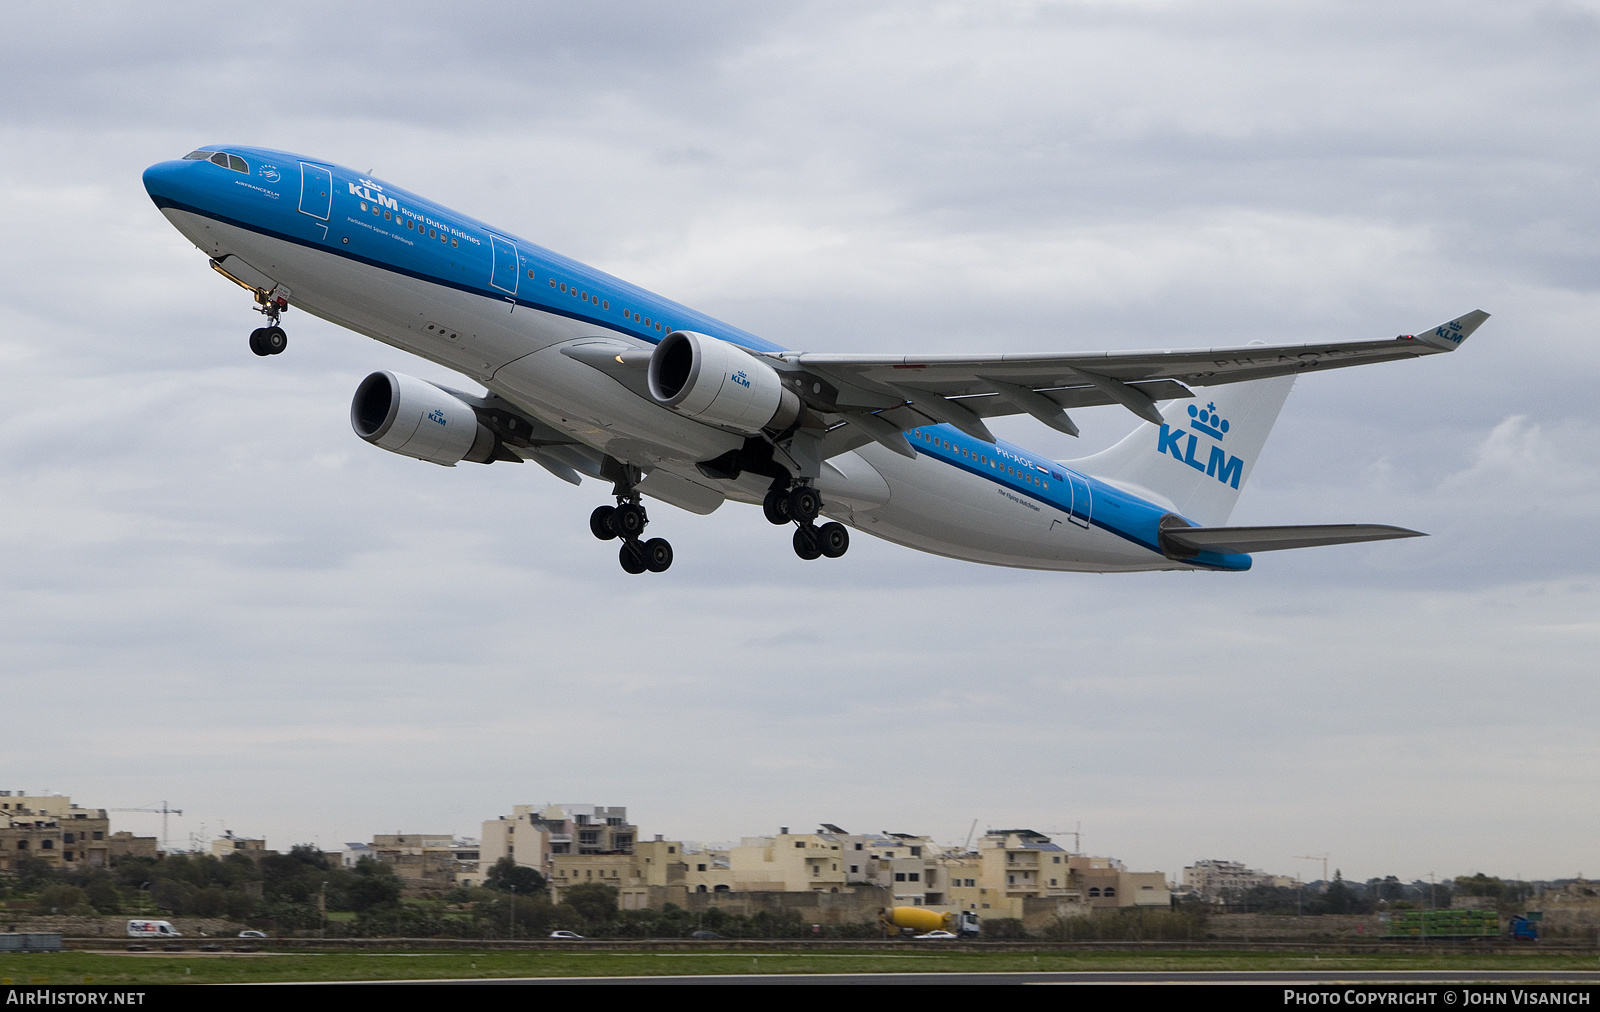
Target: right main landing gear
626	521
801	505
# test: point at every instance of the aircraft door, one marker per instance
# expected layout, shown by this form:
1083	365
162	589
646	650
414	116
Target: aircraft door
1082	499
504	273
316	191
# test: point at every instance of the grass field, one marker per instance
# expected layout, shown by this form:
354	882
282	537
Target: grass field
197	968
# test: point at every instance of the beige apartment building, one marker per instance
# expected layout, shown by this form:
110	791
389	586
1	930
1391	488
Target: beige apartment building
230	844
534	836
425	862
1021	873
1213	878
52	829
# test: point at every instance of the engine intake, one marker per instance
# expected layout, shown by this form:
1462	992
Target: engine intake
414	418
720	383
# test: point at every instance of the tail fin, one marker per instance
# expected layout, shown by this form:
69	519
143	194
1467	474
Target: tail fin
1202	454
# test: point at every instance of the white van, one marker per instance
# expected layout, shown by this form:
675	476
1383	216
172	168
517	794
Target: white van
152	929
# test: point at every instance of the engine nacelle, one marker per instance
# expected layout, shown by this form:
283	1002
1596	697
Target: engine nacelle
719	383
413	417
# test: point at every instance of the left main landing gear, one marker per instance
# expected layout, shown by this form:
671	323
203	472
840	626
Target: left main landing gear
626	521
801	505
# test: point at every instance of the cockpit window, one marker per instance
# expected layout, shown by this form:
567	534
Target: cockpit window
227	161
198	156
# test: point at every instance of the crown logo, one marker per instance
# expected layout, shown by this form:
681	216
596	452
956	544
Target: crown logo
1207	420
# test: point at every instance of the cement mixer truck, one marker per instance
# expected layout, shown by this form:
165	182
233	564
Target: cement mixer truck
923	920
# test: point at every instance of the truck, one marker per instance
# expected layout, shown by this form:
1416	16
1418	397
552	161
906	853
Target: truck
152	929
922	920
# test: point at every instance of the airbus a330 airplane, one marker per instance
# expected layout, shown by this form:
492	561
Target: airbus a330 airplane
589	375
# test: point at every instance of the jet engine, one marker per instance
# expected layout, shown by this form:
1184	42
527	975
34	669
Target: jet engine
405	415
719	383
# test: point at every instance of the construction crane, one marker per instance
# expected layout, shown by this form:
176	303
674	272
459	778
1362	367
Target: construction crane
163	811
1317	857
1076	834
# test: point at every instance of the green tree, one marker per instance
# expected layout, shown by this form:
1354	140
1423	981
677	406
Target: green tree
508	876
373	884
596	903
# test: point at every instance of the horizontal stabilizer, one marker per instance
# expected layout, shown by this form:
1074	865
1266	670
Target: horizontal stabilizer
1244	540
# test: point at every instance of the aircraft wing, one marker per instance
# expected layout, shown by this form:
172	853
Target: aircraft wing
877	397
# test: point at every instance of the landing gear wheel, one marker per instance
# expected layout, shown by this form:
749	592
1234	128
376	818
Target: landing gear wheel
274	340
657	555
833	539
628	520
776	507
600	522
632	558
806	544
804	504
256	344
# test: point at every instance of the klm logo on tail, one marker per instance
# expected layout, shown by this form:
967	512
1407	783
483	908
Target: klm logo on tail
1182	444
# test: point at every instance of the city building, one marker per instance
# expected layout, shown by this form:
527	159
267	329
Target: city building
1212	879
425	862
532	836
230	844
50	828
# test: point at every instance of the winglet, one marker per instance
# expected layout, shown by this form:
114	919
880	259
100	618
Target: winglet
1448	336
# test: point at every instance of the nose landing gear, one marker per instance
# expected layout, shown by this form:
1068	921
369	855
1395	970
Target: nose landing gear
626	521
270	340
801	505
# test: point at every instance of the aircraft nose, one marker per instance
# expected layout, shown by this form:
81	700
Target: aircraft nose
170	181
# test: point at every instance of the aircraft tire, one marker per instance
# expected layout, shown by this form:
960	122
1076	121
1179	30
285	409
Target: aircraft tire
833	539
600	522
657	555
274	340
776	507
806	543
628	520
804	504
256	344
632	558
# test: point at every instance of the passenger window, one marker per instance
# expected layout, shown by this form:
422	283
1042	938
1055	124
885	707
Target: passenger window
410	223
530	275
552	282
363	205
432	234
387	216
563	286
605	305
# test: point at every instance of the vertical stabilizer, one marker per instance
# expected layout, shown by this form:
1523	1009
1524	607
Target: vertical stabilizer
1201	455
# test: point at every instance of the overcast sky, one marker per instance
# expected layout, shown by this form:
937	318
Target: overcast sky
213	593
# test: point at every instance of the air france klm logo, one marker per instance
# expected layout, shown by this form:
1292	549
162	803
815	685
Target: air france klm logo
372	193
436	416
741	379
1222	466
